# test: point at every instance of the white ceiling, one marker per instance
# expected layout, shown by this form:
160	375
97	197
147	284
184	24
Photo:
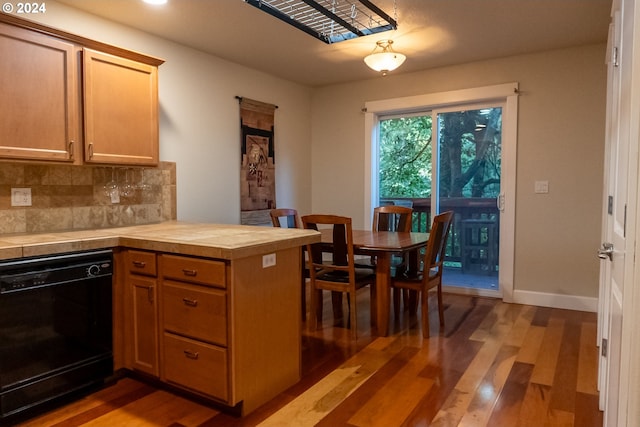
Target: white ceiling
432	33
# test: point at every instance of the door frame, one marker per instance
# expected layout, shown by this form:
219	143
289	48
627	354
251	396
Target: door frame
506	93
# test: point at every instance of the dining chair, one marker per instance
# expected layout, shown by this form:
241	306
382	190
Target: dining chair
431	275
289	218
389	218
392	218
339	273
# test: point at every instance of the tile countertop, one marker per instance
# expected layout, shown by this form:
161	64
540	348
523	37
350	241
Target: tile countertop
207	240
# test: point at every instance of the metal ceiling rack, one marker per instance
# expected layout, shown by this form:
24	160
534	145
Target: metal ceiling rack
330	20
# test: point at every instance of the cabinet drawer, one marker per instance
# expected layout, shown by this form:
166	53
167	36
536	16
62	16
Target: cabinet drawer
139	262
195	270
195	365
196	311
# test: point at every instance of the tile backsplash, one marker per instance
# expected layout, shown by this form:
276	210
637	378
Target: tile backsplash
70	197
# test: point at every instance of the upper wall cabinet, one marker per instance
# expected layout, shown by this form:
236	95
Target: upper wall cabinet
54	85
120	110
38	96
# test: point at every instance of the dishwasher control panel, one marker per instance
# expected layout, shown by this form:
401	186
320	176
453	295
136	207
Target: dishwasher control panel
47	271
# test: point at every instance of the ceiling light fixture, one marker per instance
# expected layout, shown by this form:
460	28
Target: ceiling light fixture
155	1
384	58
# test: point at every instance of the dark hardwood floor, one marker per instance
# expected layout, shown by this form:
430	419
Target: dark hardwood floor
493	364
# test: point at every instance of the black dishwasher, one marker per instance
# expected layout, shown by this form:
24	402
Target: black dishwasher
55	329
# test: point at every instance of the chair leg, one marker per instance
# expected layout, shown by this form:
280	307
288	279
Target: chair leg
353	315
336	301
373	304
397	293
411	301
424	295
440	307
303	297
313	311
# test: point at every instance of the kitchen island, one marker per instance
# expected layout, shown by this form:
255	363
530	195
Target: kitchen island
210	309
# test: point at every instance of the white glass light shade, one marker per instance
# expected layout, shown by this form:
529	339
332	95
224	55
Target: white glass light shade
384	61
155	1
384	58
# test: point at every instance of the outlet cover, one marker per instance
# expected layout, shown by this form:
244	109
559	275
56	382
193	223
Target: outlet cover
268	260
20	197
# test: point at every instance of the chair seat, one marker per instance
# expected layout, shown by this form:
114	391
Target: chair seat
362	275
408	278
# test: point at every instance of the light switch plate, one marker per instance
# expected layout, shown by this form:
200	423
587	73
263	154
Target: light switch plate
541	187
20	197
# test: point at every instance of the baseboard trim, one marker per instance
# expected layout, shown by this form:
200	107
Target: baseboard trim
569	302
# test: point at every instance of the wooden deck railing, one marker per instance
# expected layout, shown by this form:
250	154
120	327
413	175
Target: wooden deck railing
474	233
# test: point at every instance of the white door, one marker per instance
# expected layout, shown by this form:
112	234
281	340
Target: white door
618	220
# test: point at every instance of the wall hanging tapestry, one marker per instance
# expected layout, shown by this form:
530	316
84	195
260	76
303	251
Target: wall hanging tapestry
258	170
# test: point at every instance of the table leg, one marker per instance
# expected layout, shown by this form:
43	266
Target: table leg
383	292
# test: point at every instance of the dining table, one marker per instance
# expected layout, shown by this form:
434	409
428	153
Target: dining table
383	245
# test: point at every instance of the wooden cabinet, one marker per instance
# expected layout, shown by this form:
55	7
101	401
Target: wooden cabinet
142	288
227	330
38	96
120	110
195	324
54	84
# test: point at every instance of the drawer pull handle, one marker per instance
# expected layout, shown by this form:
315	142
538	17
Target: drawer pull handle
190	302
188	272
191	354
139	264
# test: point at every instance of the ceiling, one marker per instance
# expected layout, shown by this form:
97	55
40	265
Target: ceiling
432	33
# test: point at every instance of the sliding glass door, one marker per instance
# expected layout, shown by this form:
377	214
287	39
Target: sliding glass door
468	183
449	159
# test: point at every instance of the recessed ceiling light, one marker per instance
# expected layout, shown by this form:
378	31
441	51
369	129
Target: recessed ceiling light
155	1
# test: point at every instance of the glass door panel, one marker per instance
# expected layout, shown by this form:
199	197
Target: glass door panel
468	168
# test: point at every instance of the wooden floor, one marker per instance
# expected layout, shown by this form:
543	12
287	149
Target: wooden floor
494	364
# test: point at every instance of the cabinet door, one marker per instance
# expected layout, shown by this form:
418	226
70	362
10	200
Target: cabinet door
121	110
145	324
38	96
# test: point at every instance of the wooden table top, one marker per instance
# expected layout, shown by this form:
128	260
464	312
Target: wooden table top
382	241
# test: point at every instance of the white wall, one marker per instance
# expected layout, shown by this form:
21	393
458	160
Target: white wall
560	139
199	119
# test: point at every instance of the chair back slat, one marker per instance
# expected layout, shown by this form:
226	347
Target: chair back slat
342	247
392	218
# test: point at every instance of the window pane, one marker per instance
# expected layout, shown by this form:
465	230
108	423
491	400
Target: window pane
405	157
